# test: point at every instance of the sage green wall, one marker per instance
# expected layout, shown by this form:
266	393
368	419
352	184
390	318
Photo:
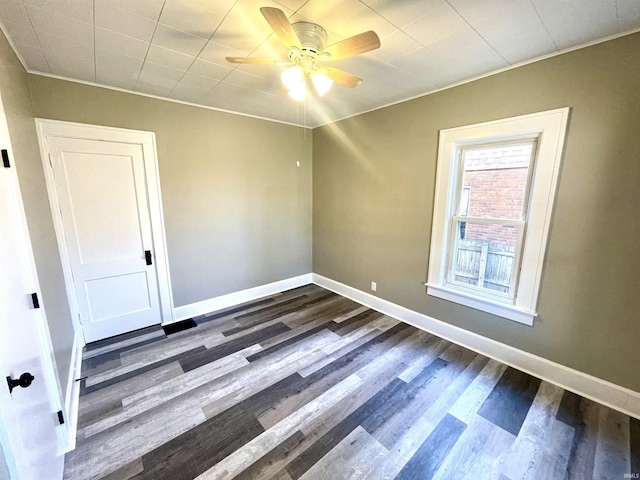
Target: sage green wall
373	184
14	88
237	209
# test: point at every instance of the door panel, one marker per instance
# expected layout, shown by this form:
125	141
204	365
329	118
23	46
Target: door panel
102	194
30	434
132	290
108	226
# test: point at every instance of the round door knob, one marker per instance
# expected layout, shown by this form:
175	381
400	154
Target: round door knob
24	381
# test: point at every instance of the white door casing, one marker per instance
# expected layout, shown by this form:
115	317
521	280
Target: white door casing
32	438
104	192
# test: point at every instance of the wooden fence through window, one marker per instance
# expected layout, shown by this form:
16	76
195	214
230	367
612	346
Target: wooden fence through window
485	264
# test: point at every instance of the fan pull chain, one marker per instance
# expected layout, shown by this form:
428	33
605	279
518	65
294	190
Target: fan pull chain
298	134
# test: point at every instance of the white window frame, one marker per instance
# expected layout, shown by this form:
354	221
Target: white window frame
549	128
458	216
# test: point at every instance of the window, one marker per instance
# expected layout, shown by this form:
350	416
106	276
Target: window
494	194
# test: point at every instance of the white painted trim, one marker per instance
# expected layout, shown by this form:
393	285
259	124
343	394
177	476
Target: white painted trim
147	140
72	400
484	75
549	127
60	238
614	396
235	298
14	48
166	99
496	308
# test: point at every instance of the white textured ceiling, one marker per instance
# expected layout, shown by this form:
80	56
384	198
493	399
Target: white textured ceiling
176	49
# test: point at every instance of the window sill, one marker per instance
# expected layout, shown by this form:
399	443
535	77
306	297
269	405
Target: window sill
486	305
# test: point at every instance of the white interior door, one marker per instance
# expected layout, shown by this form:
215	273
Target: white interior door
102	196
31	436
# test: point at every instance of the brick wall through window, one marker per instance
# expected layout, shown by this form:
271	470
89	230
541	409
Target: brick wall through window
497	182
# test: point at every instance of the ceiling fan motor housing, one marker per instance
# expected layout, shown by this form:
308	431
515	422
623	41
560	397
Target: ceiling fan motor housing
313	39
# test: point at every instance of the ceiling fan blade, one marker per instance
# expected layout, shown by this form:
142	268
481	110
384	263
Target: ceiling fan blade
281	26
342	77
257	60
364	42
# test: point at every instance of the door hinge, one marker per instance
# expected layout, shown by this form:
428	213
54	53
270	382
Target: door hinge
147	256
34	299
50	160
5	158
60	417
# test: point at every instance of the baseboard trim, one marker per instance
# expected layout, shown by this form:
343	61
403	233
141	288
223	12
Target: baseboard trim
614	396
72	399
235	298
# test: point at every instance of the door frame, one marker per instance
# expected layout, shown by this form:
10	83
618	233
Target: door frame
147	140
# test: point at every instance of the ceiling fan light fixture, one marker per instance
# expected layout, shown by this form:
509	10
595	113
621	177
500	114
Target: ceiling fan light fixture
299	91
292	78
321	82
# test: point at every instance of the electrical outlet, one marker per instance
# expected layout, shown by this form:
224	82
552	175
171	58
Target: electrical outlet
374	285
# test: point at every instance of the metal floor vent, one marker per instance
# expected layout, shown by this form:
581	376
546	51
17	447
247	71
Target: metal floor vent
179	326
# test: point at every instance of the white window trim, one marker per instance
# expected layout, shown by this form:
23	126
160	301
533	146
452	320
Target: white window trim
550	128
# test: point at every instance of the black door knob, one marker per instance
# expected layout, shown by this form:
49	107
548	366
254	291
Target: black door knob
24	381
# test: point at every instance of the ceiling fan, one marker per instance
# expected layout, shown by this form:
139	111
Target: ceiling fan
307	54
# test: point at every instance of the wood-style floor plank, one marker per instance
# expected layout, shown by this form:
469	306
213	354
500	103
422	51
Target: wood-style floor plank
508	403
267	372
196	450
271	463
353	458
433	452
634	445
426	422
480	450
162	392
612	458
354	390
474	396
535	450
306	384
421	393
270	439
93	405
304	389
583	415
127	471
123	344
124	372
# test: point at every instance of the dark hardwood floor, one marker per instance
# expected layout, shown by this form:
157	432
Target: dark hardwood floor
307	384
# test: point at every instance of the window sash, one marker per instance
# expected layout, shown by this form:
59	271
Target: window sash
488	220
480	290
460	168
452	251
